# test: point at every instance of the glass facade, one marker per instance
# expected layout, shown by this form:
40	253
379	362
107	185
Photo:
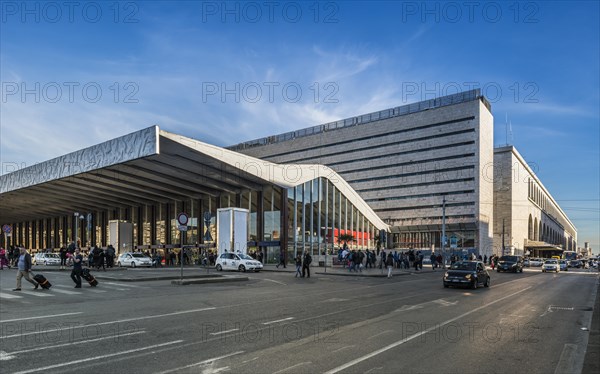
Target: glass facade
309	217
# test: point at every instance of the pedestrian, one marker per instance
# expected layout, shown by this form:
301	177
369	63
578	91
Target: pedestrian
306	265
3	259
77	268
485	259
390	264
433	261
23	269
281	259
298	266
63	257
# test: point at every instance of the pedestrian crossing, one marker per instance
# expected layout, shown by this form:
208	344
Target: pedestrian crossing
67	290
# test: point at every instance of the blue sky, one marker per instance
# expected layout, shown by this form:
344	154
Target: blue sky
75	74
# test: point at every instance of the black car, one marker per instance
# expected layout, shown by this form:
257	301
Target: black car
510	263
467	273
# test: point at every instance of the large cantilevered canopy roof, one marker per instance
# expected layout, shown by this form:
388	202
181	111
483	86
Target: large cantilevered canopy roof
146	167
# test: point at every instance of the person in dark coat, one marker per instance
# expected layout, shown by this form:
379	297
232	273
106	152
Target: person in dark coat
23	269
306	265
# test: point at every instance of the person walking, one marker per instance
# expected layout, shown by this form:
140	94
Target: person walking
77	268
281	259
433	260
23	269
389	262
306	265
63	257
3	259
298	266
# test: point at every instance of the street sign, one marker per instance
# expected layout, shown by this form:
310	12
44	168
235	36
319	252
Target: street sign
182	228
183	219
453	242
7	229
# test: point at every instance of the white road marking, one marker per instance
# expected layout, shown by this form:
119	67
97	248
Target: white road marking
9	296
566	363
381	333
96	291
123	285
112	336
274	281
223	332
38	317
250	360
75	362
210	360
404	308
399	342
109	322
5	356
66	292
292	367
36	293
445	302
279	320
333	300
339	349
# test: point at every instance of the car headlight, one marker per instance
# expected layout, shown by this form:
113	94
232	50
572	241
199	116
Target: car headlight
446	275
468	276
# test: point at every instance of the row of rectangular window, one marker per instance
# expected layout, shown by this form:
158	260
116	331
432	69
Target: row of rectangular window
388	188
409	163
419	196
471	167
425	207
373	136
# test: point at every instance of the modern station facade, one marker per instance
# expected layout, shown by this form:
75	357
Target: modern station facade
396	178
148	177
409	163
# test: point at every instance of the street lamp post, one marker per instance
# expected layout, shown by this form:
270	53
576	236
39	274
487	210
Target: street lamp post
76	214
443	232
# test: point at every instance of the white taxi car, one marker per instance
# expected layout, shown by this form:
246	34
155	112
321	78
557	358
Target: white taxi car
133	259
239	261
551	265
46	259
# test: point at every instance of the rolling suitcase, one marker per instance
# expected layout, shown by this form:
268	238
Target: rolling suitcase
85	274
42	281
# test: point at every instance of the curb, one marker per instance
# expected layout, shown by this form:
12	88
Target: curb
348	274
162	277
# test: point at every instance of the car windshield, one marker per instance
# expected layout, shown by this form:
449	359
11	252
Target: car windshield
509	258
138	255
463	266
52	255
245	257
550	262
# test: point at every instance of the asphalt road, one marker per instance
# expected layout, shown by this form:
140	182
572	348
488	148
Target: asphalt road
524	323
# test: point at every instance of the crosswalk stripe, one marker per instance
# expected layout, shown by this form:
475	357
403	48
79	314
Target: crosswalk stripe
66	292
37	293
96	291
122	285
9	296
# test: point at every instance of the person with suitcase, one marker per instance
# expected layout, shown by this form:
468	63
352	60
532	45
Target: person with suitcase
85	274
77	267
42	281
23	269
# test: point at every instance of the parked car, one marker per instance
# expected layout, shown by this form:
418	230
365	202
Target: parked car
467	273
510	263
564	265
551	265
46	259
239	261
133	259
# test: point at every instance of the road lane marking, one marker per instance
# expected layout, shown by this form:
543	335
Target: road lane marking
223	332
208	361
9	296
98	357
122	284
279	320
293	367
339	349
437	326
274	281
381	333
36	293
38	317
9	354
108	323
67	292
566	363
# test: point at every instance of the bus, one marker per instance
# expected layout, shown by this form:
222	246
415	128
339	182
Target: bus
569	255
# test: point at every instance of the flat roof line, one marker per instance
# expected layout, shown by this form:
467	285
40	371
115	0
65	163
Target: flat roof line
403	110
